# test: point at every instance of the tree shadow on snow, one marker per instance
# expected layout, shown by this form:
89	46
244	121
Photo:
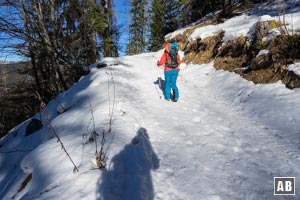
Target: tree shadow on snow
128	176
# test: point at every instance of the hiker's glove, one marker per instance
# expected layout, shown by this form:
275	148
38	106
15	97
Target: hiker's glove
157	63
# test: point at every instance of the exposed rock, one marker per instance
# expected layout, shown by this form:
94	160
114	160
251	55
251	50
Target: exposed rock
230	63
33	126
235	48
101	65
291	80
192	46
262	29
285	49
262	76
203	51
232	55
261	62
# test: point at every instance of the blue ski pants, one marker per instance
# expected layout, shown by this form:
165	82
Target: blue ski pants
171	78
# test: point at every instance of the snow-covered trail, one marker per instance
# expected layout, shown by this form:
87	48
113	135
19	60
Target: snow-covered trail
208	148
225	139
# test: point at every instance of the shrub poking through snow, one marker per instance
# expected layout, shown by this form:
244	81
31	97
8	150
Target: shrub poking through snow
100	155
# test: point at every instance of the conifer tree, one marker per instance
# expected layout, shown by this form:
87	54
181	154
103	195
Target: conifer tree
110	36
172	15
158	21
138	27
194	10
165	18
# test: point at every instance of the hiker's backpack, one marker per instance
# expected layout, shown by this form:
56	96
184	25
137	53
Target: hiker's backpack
172	55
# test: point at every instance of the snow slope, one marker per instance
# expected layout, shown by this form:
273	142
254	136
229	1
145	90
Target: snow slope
225	139
245	23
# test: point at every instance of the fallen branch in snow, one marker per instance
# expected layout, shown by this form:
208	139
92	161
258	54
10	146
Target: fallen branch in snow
23	185
59	140
111	108
43	106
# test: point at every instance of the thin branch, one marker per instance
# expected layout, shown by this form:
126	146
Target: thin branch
60	142
111	108
15	151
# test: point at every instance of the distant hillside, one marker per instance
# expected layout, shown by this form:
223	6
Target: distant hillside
17	100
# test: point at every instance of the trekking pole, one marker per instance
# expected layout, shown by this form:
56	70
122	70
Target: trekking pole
159	79
157	91
159	84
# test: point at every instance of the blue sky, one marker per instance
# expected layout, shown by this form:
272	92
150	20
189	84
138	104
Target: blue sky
121	9
8	54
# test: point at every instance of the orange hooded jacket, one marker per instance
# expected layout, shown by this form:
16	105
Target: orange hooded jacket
165	58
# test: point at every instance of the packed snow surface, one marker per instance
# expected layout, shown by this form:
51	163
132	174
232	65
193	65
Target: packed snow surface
225	138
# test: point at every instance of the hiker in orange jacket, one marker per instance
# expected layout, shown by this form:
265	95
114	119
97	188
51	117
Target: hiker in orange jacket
171	61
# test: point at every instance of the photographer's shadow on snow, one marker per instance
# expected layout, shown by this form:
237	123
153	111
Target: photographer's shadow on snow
161	84
128	177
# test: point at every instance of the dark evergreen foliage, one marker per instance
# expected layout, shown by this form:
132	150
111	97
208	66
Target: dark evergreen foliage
138	27
165	18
